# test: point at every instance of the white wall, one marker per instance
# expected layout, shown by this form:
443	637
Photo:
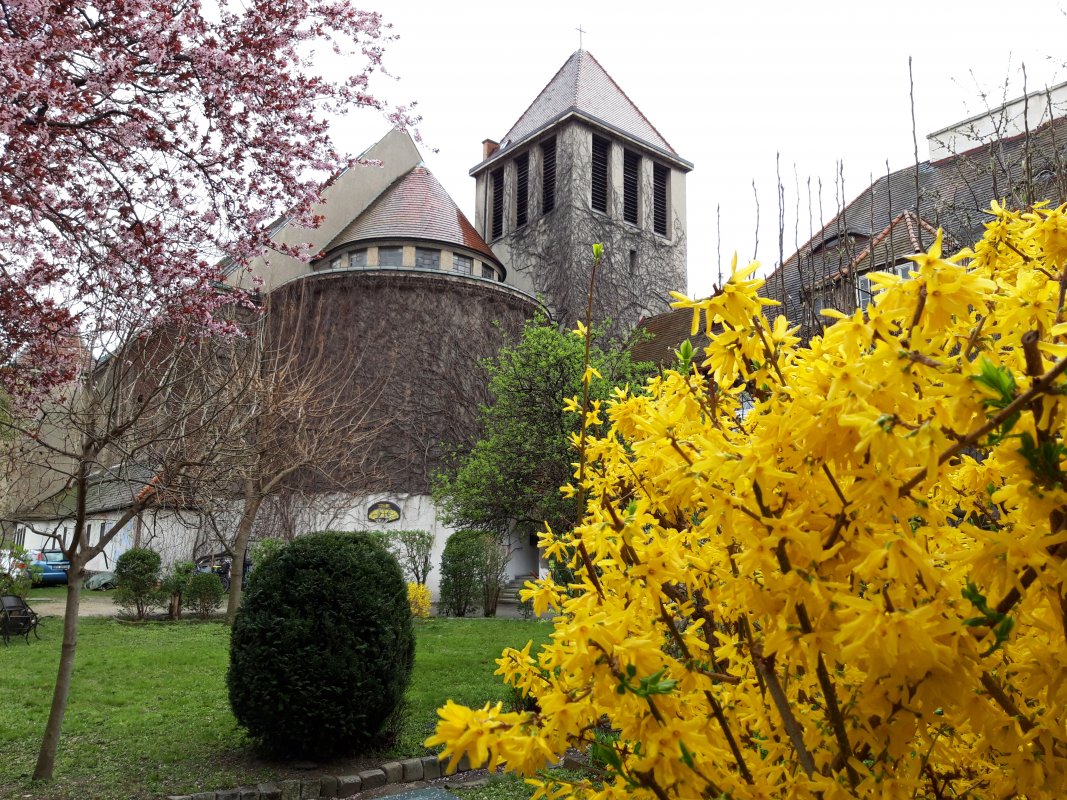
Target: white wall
171	534
418	512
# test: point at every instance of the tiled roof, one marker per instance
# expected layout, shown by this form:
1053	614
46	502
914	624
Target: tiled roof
416	206
664	333
109	489
583	86
886	222
828	254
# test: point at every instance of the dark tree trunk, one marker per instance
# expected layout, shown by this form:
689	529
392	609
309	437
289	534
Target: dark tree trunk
46	758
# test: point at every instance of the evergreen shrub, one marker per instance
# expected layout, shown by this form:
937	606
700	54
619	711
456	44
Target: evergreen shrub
460	566
322	646
137	589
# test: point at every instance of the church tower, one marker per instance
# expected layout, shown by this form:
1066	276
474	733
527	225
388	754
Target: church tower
583	165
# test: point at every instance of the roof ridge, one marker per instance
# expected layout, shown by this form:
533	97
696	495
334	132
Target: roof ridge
842	213
621	91
544	89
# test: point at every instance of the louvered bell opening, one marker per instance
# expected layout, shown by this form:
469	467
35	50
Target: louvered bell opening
548	175
660	180
600	174
498	204
631	166
522	185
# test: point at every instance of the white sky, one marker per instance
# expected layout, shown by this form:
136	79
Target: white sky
729	85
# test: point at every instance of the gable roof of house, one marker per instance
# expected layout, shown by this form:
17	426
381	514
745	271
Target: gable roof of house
886	208
583	87
415	206
109	489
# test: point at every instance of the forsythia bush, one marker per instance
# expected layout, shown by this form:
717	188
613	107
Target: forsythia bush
419	599
857	590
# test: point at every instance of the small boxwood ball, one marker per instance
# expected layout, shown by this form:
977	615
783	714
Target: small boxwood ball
322	646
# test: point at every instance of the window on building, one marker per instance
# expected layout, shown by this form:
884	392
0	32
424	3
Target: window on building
661	178
390	256
427	258
548	175
498	204
336	263
357	259
601	150
488	272
746	403
522	187
631	170
462	264
19	539
865	287
633	261
863	292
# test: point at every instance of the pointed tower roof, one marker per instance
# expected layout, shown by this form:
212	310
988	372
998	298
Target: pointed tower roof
582	87
415	206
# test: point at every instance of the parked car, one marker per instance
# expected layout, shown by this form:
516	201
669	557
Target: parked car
101	581
49	566
221	564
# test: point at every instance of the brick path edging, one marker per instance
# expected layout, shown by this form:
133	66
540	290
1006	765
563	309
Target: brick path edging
339	786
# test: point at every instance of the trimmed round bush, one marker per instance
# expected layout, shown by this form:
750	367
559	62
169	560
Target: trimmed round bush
322	646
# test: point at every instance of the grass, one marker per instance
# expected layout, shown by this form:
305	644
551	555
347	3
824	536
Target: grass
148	714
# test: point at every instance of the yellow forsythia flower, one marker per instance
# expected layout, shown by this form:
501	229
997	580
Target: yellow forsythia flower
856	589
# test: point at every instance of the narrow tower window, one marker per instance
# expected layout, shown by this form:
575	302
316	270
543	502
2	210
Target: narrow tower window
601	148
661	177
522	185
498	204
631	168
548	175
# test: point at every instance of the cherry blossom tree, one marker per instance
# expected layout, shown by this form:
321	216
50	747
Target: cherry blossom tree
144	147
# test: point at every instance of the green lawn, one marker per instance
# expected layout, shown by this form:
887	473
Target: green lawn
148	714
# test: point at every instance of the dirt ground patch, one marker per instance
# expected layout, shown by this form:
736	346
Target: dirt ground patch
92	605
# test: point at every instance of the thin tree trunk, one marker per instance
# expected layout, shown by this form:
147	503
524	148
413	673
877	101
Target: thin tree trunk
253	500
46	758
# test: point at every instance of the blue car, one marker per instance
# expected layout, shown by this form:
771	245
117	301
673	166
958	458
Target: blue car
49	566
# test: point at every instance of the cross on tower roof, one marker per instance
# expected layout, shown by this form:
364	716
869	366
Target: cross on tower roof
580	32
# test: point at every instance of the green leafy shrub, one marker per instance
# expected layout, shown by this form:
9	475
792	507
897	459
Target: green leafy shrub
204	593
322	646
473	570
492	571
262	549
413	550
18	580
137	589
174	586
460	564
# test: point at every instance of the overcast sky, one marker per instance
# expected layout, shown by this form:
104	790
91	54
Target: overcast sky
729	85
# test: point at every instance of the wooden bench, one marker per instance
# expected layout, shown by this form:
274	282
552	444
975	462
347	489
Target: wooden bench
17	618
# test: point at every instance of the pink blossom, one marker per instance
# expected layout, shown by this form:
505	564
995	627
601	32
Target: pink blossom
144	144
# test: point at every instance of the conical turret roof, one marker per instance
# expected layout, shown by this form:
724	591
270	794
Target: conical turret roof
415	206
